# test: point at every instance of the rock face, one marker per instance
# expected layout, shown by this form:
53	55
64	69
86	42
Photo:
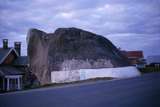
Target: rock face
70	49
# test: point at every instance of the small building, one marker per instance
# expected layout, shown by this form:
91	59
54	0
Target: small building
135	57
11	67
153	61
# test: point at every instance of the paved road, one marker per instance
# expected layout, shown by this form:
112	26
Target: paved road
141	91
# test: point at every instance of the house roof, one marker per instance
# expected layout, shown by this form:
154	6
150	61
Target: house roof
5	52
21	60
9	70
133	54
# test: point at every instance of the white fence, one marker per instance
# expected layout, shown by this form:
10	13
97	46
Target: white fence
83	74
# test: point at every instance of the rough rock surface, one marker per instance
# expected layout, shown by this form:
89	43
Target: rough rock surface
70	49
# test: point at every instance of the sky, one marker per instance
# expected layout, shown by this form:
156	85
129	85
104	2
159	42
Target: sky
129	24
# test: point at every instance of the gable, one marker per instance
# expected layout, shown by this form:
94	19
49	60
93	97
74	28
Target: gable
10	58
7	56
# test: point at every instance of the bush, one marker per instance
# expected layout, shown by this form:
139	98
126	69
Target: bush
149	69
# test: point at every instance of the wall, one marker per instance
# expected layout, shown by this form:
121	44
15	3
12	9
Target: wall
83	74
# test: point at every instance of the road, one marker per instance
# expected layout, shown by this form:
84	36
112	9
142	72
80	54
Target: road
141	91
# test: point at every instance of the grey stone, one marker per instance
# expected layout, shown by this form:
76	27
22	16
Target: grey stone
70	49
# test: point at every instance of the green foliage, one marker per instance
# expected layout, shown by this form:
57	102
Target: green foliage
149	69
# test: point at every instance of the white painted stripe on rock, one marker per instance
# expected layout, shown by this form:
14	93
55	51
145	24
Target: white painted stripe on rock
83	74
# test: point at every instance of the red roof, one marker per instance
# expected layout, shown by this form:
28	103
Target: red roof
133	54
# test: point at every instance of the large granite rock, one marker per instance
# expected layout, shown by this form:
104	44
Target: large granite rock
70	49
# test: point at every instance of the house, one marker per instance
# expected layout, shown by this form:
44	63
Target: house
153	61
135	57
12	67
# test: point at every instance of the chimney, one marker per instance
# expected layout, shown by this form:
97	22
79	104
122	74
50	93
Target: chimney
17	47
5	43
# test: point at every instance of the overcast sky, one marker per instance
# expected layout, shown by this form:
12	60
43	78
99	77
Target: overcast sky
129	24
